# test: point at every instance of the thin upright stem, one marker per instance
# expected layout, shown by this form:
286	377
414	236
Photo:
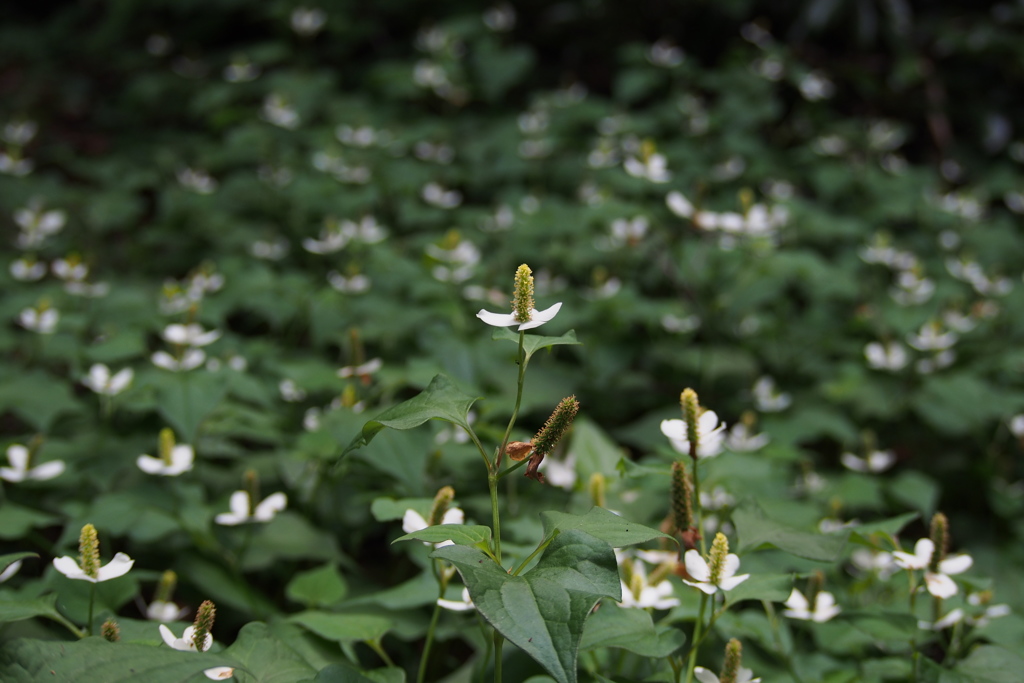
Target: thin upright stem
492	485
498	642
697	628
698	508
92	603
522	361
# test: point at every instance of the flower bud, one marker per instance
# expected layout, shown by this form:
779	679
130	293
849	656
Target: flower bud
522	297
165	589
89	549
110	631
518	450
716	558
682	498
442	500
940	537
551	433
691	411
597	486
733	659
203	624
166	445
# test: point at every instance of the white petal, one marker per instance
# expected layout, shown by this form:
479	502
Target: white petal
674	429
182	457
413	521
17	455
497	319
270	506
168	637
121	380
940	585
68	566
164	360
176	333
12	475
118	566
730	566
728	584
957	564
708	588
696	566
852	462
704	676
150	465
453	516
48	470
538	318
797	602
219	673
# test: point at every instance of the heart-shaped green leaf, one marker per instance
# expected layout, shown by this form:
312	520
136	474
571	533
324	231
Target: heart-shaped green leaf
534	342
441	400
616	531
755	529
630	629
544	610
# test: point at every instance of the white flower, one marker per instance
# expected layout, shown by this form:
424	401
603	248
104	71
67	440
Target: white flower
824	607
101	381
435	195
537	318
242	511
664	53
816	86
710	434
27	269
197	180
219	673
874	561
741	439
161	610
911	288
278	111
15	166
190	360
890	355
931	338
70	269
768	398
875	462
308	21
186	643
938	583
954	617
41	321
697	568
18	456
414	521
10	570
560	473
353	284
654	168
332	239
641	594
464	605
679	205
1017	425
744	675
182	457
367	368
290	391
36	225
19	133
192	334
70	568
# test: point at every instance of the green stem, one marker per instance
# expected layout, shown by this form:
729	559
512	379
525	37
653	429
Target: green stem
698	507
498	642
59	618
92	603
522	360
697	637
513	468
540	548
492	485
441	585
376	647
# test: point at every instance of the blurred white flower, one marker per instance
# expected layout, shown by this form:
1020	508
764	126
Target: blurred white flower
440	152
290	391
37	224
537	318
242	510
84	289
436	195
816	86
698	569
10	570
308	21
161	610
181	457
710	434
364	371
938	582
332	238
768	398
874	463
241	70
70	269
680	325
352	284
500	18
42	319
270	250
102	382
27	269
874	561
889	355
931	338
798	607
641	594
653	168
741	439
414	521
280	112
197	180
19	133
190	359
911	288
117	567
1017	425
15	165
19	458
954	617
665	53
191	334
560	472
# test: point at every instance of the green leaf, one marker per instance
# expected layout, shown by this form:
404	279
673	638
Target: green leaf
533	342
756	530
15	609
915	490
30	661
341	673
598	522
770	587
187	398
342	627
37	398
322	586
7	560
891	526
991	664
460	534
543	611
267	658
16	520
630	629
441	400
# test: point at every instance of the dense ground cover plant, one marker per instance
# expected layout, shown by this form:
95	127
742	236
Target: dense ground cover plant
258	266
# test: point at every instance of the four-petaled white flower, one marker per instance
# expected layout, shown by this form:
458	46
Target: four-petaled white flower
641	594
190	335
876	461
182	457
711	435
69	567
242	512
414	521
40	320
186	643
537	318
938	583
189	360
744	675
825	606
890	355
101	381
463	605
698	569
18	457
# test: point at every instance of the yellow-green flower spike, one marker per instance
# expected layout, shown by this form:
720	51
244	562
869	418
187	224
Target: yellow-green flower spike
733	659
940	537
598	486
556	426
165	589
522	298
110	631
716	558
252	486
203	624
682	498
89	550
691	411
442	500
166	446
